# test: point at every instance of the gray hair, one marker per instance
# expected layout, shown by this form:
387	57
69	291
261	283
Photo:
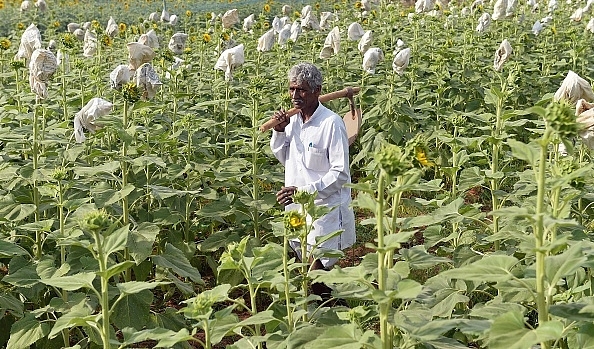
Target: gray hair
308	73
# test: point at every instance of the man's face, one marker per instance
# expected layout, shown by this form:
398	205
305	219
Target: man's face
302	95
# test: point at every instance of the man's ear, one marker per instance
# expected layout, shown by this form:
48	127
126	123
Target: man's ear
318	90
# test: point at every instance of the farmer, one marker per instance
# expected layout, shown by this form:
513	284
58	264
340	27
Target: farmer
313	147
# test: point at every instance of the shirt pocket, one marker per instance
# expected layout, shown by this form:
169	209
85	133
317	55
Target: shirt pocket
316	159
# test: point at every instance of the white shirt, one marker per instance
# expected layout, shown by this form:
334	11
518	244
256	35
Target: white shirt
316	157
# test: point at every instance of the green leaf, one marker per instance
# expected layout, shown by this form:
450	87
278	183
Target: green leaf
258	319
119	195
109	167
10	249
566	263
340	337
71	282
492	268
509	332
469	178
26	331
523	151
141	240
133	310
419	258
166	338
174	259
116	241
116	269
365	201
78	315
132	287
9	303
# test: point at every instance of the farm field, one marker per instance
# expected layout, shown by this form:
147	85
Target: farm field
137	192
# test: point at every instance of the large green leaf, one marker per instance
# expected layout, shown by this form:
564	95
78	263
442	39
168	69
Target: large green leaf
133	310
71	282
523	151
509	332
342	337
115	241
132	287
491	268
141	240
9	249
166	338
27	331
174	259
564	264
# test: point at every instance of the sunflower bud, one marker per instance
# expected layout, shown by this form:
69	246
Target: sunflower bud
392	160
96	221
559	116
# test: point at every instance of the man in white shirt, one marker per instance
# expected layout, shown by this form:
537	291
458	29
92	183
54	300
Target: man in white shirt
313	147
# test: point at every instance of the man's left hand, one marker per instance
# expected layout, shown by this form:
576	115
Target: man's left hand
285	195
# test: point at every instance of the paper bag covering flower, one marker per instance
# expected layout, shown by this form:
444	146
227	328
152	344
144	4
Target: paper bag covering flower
41	5
502	54
248	23
72	27
276	24
574	88
284	35
42	67
331	44
401	60
80	34
590	25
285	10
147	81
484	23
577	15
112	28
326	18
230	18
366	5
552	6
30	41
173	19
424	5
229	60
266	41
87	117
139	54
119	76
371	58
355	31
52	46
305	11
546	20
149	39
177	43
295	31
585	117
511	7
399	46
310	22
154	17
90	44
164	16
537	28
365	41
25	5
499	10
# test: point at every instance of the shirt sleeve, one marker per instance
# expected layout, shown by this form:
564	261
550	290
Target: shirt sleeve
338	156
279	144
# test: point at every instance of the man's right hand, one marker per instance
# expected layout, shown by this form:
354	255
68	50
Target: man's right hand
281	116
